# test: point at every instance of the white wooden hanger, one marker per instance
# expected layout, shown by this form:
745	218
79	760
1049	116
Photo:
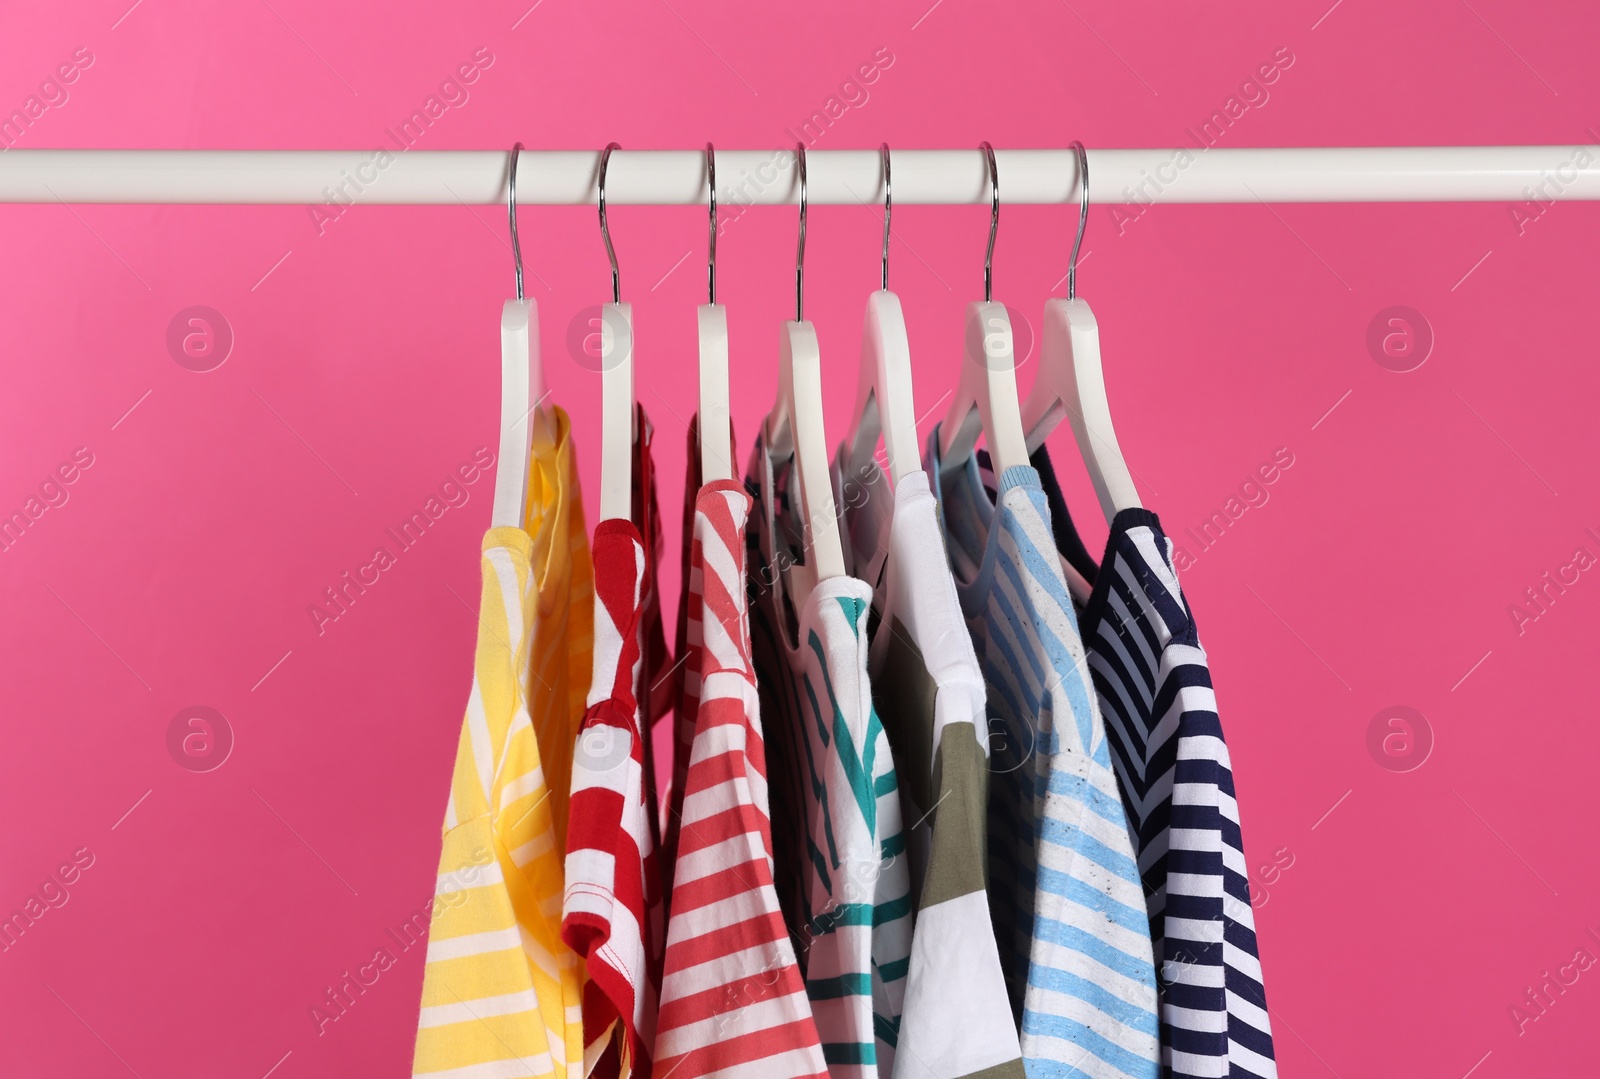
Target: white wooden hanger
616	382
986	396
795	429
716	434
1071	382
884	391
522	390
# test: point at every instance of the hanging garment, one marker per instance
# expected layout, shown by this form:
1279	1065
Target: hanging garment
686	674
611	910
562	656
928	691
732	999
1064	889
838	848
656	666
1154	686
501	990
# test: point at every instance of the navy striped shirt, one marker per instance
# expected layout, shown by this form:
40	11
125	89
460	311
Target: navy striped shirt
1154	686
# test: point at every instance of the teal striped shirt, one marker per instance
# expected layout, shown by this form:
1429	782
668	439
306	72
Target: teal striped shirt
838	845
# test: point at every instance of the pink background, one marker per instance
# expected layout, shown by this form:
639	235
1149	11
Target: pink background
1407	911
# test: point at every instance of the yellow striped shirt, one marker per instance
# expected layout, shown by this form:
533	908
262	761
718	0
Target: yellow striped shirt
501	994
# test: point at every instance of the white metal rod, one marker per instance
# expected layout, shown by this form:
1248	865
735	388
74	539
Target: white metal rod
768	177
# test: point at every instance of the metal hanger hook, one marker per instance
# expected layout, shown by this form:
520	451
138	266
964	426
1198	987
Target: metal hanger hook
888	209
800	252
994	223
711	260
1083	217
605	232
511	210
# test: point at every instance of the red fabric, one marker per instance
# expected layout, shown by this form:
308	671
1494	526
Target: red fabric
657	676
731	995
686	680
612	908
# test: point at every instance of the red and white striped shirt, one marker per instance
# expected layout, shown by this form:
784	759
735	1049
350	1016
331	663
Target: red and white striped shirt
732	998
612	907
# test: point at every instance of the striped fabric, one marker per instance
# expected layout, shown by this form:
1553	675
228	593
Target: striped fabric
1065	890
612	910
732	999
838	848
928	689
686	672
1154	686
657	684
501	992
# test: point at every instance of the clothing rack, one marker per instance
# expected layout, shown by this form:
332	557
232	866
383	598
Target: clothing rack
394	176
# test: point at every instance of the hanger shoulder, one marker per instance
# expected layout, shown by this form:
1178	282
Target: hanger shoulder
1002	413
1071	384
519	376
715	427
861	440
616	411
801	431
986	396
884	395
1048	401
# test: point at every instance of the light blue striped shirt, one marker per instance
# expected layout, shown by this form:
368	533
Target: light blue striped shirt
1065	892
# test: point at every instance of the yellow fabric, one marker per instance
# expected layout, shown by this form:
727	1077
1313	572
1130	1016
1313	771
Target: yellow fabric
561	660
501	994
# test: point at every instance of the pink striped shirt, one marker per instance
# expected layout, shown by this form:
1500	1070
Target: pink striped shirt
731	996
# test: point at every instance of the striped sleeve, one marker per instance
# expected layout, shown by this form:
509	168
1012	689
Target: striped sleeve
1154	687
927	688
732	998
843	880
501	990
1065	889
611	902
1090	991
859	936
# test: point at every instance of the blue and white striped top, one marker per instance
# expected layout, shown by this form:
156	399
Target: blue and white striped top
1154	686
1065	892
